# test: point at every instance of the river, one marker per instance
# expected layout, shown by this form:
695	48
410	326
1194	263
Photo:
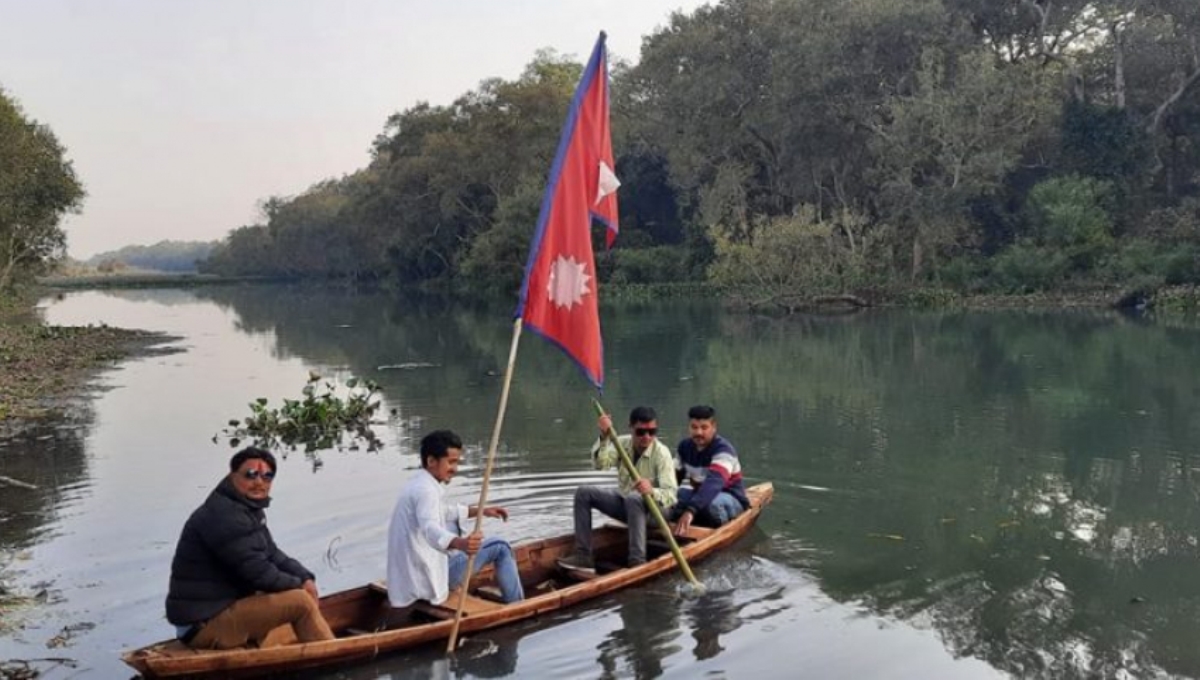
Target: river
958	494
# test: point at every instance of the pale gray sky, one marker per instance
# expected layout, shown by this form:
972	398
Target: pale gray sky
180	116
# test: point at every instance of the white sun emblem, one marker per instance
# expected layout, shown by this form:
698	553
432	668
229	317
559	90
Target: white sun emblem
568	282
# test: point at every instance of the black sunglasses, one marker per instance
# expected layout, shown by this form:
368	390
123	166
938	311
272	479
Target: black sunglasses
643	431
253	474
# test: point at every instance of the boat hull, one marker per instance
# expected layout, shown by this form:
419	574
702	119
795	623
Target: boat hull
355	614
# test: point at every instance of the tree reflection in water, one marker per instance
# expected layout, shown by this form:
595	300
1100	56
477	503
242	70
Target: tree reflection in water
649	632
1023	483
50	457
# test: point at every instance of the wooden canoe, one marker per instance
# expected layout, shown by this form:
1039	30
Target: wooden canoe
356	615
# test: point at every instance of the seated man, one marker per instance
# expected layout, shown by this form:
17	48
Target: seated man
715	492
427	556
230	584
656	469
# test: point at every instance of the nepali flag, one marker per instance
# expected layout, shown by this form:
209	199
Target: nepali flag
558	296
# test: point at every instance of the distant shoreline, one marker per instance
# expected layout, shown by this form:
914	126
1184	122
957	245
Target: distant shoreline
147	280
1171	299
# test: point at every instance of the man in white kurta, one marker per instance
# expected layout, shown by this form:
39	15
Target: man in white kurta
427	555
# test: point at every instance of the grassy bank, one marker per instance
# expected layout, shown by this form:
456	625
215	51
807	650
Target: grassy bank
44	368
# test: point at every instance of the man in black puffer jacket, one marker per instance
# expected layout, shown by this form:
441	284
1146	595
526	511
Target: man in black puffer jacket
230	584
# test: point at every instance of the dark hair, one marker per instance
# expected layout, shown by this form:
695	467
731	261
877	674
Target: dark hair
251	453
702	412
642	414
437	444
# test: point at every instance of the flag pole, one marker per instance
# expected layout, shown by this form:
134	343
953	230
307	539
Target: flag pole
653	505
487	475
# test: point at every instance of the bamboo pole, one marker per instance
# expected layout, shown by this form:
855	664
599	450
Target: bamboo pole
487	475
627	463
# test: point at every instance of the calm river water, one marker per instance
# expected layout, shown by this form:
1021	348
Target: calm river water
958	495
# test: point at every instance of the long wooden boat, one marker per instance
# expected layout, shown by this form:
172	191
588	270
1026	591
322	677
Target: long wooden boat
357	615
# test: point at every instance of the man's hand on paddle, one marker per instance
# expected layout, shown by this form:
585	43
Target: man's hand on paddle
643	486
469	544
605	425
684	523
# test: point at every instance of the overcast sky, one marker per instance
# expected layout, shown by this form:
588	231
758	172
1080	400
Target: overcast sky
181	116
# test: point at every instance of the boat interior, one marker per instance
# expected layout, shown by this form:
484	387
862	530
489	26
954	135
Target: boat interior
540	572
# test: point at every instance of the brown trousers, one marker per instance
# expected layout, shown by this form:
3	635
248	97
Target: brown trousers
248	620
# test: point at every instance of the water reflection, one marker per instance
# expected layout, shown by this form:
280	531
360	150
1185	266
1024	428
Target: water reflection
51	458
1020	487
1012	479
715	614
648	633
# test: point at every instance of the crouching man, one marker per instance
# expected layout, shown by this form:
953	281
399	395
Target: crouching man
230	584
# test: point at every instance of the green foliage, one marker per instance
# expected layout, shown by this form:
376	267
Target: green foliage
1103	141
1181	266
953	140
1178	299
1173	225
38	187
496	258
656	264
1026	268
1145	264
319	421
785	261
930	298
657	292
1072	214
966	273
1134	259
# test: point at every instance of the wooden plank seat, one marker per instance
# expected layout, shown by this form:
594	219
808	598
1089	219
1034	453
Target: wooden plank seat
694	532
447	609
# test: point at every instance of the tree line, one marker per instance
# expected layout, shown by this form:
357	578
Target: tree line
164	256
781	149
786	149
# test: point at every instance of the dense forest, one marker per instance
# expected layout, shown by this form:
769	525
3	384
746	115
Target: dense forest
164	256
785	149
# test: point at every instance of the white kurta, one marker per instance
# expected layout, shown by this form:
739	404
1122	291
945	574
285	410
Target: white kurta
422	526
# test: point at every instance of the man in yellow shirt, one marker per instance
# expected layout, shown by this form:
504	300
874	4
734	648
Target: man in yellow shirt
655	466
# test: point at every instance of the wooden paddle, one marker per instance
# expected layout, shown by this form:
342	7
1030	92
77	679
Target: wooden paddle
627	463
483	488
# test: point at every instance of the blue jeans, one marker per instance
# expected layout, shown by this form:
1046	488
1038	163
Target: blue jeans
493	551
718	513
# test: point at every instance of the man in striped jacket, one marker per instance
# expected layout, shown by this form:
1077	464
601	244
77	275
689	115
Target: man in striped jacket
711	490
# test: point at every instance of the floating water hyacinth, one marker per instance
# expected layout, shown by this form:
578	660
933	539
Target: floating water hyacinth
319	420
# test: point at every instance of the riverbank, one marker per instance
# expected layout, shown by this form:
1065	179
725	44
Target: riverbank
1170	300
45	370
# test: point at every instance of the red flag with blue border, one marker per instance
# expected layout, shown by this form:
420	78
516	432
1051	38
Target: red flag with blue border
558	296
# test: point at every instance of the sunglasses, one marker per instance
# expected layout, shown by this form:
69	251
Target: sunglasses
643	431
253	474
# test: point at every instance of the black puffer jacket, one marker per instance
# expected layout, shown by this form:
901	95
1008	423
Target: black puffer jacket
226	552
